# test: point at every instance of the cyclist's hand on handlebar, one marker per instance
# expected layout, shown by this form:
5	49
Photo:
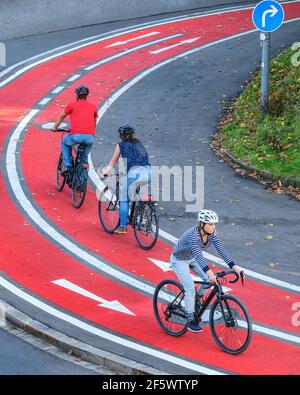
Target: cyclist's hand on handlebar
104	174
106	171
212	277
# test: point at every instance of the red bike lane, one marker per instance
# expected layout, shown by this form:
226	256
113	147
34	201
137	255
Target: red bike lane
274	307
87	231
36	264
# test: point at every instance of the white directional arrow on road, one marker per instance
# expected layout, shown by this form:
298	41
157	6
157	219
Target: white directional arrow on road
189	41
131	39
165	267
272	11
113	305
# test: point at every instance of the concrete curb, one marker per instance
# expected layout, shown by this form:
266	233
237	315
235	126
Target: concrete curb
264	173
84	351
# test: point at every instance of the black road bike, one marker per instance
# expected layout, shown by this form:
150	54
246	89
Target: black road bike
229	320
77	178
143	216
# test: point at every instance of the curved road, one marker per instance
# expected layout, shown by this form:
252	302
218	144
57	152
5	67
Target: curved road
52	255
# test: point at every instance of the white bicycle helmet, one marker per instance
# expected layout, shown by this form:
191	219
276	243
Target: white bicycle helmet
208	217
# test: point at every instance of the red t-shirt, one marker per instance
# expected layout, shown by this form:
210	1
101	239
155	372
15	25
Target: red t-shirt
82	117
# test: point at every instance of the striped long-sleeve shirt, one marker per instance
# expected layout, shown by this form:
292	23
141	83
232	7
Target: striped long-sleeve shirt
191	245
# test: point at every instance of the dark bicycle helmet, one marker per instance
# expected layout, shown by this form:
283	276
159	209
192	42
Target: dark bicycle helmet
82	91
126	129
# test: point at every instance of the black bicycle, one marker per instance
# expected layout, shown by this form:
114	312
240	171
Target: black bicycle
143	216
77	178
229	320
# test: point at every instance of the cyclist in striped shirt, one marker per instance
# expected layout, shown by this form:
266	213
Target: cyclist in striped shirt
188	254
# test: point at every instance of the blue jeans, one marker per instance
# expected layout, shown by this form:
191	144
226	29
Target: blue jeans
71	139
137	176
182	270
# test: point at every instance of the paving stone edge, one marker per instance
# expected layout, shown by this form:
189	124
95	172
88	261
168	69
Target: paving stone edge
84	351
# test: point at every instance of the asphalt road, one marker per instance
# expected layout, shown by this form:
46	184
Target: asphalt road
175	111
18	357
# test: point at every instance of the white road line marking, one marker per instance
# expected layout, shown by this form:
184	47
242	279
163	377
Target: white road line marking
45	226
27	204
248	272
14	181
131	39
100	185
164	266
165	234
189	41
272	332
106	335
58	89
113	305
118	33
44	101
74	77
134	49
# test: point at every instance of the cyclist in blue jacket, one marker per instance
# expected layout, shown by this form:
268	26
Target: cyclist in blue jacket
137	169
188	254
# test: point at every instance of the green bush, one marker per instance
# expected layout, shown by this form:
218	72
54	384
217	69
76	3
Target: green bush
270	142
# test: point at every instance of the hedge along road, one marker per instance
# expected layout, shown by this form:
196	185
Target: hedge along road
81	237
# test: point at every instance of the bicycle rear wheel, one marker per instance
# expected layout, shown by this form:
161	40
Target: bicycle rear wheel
78	196
60	180
168	305
108	210
146	226
79	186
230	324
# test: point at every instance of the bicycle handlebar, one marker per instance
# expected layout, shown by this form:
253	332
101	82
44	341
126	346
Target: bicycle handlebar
61	130
222	274
103	177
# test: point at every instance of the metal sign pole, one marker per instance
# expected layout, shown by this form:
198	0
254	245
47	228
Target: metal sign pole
265	62
267	16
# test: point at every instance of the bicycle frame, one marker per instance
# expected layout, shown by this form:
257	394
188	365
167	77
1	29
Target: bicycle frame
217	290
142	215
132	204
78	149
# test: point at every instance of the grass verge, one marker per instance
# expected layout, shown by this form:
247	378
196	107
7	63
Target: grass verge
272	142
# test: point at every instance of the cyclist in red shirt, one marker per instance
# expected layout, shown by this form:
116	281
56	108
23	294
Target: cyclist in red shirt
83	119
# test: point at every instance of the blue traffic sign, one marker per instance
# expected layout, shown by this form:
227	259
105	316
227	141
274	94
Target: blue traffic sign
268	16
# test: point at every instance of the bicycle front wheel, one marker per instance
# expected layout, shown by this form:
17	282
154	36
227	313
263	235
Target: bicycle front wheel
108	210
60	180
168	305
145	223
230	324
